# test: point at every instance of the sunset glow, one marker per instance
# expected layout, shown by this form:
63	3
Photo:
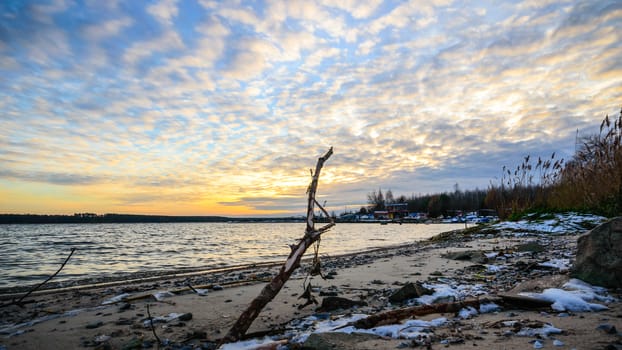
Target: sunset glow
196	107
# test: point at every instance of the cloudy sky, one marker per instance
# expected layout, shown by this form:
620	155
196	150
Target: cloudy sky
198	107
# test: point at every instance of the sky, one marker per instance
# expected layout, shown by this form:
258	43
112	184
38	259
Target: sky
198	107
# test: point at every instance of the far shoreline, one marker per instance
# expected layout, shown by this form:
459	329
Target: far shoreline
25	219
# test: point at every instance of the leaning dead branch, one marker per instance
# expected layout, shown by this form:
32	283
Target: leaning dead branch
270	291
396	316
20	302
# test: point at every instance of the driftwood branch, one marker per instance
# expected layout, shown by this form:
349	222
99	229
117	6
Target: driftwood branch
20	303
395	316
270	291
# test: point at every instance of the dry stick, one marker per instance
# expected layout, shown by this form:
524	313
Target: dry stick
191	288
395	316
270	291
19	302
152	328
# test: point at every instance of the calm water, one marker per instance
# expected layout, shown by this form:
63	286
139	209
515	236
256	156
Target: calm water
31	253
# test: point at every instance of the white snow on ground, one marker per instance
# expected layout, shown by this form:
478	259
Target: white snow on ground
561	264
115	299
494	268
488	308
544	331
566	223
449	292
161	295
576	296
161	319
409	329
248	344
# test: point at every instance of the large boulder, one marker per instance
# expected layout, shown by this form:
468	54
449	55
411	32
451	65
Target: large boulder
599	255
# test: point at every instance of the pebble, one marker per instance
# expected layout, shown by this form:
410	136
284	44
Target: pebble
217	287
607	328
537	345
124	307
93	325
185	317
558	342
124	322
102	338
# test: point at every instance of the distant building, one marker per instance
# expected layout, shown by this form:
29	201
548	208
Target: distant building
397	210
381	214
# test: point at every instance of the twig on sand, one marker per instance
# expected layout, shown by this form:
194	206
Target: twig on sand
20	303
152	327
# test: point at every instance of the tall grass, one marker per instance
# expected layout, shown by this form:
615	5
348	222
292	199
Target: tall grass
590	181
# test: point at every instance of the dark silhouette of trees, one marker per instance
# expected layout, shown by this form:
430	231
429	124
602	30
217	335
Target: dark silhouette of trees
437	204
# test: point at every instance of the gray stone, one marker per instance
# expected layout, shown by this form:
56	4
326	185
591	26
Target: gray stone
185	317
95	324
336	303
409	291
599	255
344	341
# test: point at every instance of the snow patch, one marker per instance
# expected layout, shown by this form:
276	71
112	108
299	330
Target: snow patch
578	298
115	299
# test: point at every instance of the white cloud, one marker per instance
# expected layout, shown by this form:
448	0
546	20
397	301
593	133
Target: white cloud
169	41
357	9
164	11
108	28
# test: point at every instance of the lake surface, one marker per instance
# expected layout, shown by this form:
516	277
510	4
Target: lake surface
31	253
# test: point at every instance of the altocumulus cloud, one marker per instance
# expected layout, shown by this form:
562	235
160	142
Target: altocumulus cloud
174	106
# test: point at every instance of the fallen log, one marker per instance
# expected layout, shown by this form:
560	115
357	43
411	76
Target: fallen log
524	302
396	316
270	291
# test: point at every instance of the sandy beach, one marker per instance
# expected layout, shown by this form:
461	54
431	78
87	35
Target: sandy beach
195	311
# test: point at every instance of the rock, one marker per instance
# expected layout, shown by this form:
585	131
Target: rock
335	303
472	255
134	343
599	255
124	321
409	291
185	317
607	328
94	325
344	341
124	307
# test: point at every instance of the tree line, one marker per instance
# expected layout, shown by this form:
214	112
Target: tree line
591	181
435	205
